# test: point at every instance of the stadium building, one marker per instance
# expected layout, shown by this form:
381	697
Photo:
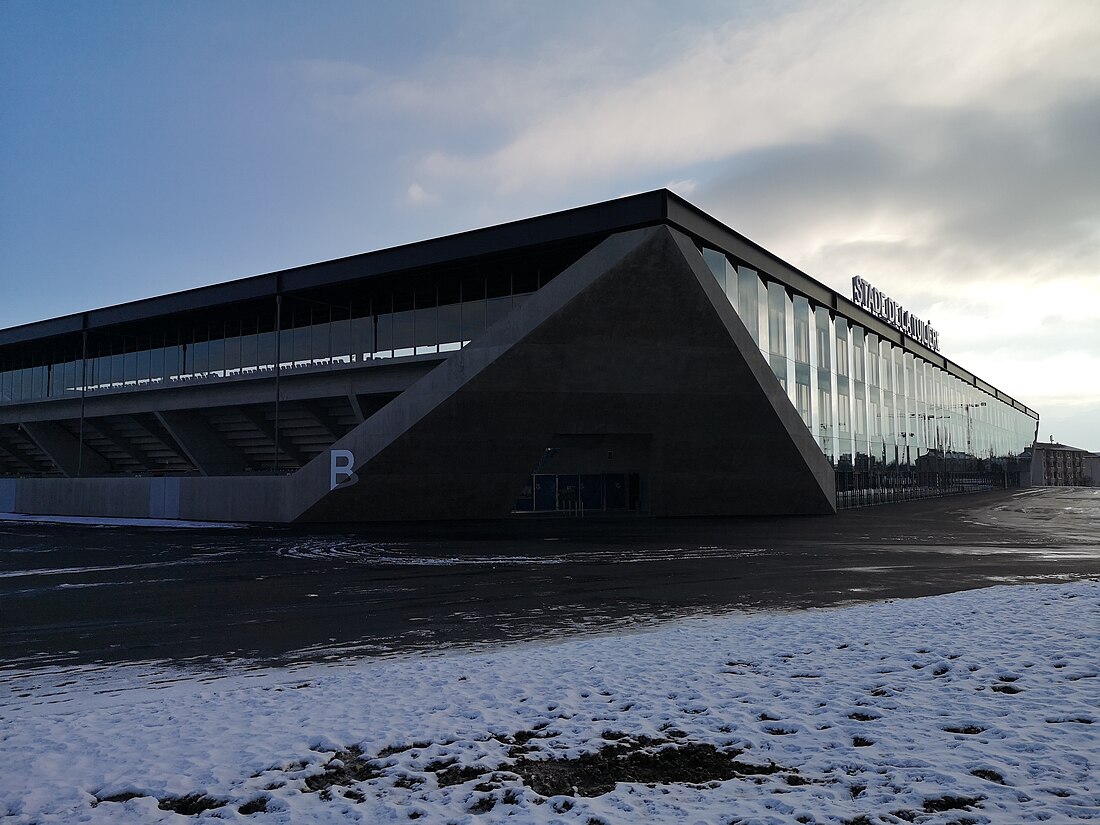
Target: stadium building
633	356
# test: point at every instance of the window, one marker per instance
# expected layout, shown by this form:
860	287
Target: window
748	301
841	347
801	329
777	319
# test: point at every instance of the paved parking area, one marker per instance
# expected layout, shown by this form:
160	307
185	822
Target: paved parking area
78	594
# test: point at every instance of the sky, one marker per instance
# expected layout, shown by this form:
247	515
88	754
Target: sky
947	152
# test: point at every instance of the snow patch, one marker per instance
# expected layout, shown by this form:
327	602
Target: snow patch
894	711
103	521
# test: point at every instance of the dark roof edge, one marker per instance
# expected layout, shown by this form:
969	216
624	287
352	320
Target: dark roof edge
620	214
1058	445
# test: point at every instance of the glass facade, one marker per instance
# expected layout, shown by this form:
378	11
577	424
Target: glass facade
357	325
892	424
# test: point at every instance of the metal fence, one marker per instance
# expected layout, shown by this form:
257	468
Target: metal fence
864	488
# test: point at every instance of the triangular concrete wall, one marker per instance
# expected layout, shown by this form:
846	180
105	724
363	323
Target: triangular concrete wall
635	339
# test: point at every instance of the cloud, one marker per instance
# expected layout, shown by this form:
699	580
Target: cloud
683	188
418	196
805	75
913	119
1004	195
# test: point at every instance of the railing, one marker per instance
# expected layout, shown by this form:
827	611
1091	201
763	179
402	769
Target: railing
865	488
179	378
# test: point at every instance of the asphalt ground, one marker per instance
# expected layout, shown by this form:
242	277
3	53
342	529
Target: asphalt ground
80	594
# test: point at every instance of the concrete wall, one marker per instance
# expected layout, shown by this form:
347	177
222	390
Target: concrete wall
114	497
258	498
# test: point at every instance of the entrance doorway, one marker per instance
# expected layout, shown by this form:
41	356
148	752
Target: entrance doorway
580	493
588	473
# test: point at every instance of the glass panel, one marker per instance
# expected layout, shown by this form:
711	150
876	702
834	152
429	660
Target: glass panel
779	367
841	346
169	362
777	319
266	345
301	353
383	344
250	349
340	337
716	262
72	376
362	338
144	361
54	384
802	330
748	291
860	409
118	368
824	338
473	319
731	283
449	321
286	348
320	347
215	355
873	370
802	390
426	331
858	362
402	333
844	404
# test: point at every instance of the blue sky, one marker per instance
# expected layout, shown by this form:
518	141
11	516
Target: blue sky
945	151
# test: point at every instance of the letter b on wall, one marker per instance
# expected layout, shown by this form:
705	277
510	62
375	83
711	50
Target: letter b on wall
341	472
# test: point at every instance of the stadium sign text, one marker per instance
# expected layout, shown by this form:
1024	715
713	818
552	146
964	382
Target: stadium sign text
893	313
341	469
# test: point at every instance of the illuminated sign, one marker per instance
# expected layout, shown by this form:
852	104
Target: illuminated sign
893	313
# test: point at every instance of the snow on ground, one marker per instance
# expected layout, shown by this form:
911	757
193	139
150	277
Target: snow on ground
972	707
105	521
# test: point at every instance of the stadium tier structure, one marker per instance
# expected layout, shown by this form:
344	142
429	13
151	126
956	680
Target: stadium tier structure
629	357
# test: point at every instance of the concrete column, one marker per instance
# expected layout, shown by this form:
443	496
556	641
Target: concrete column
204	446
356	408
64	449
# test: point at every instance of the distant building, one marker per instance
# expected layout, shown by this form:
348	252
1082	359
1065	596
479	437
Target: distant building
1060	465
